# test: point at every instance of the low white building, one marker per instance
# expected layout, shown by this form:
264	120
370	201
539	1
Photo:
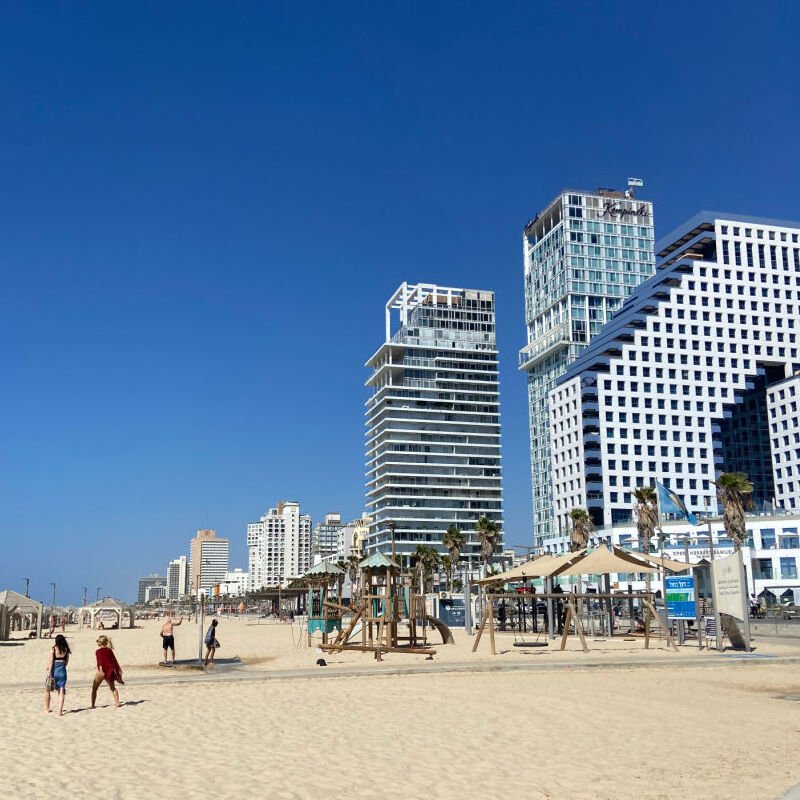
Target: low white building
771	554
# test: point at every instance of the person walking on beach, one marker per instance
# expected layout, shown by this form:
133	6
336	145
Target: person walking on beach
168	636
211	642
108	669
57	674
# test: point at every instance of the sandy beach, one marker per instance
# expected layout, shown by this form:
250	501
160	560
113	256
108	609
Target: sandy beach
617	723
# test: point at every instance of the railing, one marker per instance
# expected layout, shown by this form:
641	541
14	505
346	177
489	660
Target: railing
554	338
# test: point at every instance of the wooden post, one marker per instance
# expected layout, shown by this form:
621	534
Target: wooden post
480	631
490	609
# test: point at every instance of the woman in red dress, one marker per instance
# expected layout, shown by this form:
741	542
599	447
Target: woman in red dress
108	669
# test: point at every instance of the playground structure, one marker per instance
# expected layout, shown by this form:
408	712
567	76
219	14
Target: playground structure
324	582
600	561
386	602
572	607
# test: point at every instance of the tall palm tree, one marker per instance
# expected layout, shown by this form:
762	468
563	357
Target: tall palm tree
426	558
355	578
581	527
454	540
735	492
488	533
447	566
645	509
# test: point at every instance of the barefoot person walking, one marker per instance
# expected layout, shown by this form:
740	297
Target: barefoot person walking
57	674
168	637
108	669
211	642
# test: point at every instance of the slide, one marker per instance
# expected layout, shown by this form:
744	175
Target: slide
444	631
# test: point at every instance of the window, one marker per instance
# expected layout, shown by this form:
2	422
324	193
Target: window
788	567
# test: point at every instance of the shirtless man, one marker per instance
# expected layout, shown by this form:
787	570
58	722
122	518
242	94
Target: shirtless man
168	637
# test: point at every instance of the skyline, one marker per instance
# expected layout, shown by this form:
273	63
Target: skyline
205	212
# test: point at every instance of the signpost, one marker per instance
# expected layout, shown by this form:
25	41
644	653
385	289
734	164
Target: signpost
730	598
681	600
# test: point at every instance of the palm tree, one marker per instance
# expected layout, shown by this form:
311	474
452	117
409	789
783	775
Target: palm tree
581	527
426	558
454	540
488	533
735	492
645	509
355	574
447	566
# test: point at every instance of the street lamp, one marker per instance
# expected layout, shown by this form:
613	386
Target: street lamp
97	598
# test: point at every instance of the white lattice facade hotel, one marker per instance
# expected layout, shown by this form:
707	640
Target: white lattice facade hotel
696	375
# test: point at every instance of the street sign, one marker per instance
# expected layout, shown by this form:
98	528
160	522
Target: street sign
680	597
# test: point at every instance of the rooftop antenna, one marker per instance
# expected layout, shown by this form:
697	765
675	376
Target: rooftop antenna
633	183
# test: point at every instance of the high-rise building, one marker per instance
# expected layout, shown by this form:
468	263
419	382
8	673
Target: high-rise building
208	560
433	420
177	578
326	537
583	254
279	546
697	374
146	583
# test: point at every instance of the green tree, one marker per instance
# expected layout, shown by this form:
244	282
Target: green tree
354	572
454	540
735	492
447	566
581	527
488	533
645	510
426	560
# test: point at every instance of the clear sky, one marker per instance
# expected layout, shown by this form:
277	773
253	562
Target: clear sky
204	207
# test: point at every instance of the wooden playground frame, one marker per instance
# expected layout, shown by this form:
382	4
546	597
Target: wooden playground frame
386	600
572	616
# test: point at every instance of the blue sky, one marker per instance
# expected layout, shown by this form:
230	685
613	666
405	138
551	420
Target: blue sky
205	206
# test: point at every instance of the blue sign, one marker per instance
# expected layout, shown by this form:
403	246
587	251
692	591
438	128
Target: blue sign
680	597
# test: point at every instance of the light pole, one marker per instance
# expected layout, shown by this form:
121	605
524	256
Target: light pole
27	584
54	596
97	598
84	594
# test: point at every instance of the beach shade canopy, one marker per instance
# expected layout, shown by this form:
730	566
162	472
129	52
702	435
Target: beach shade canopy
668	564
19	604
378	561
539	567
601	561
325	567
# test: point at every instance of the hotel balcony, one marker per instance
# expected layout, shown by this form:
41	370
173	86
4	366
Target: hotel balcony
545	345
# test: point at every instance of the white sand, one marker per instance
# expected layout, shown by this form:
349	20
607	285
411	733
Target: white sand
675	730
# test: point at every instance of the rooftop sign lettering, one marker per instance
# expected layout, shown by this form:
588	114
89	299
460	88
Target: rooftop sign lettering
616	211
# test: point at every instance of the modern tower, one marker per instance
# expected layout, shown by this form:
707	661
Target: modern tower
697	374
583	255
433	420
146	583
279	546
208	556
177	578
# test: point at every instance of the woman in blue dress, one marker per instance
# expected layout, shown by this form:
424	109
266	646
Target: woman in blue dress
57	673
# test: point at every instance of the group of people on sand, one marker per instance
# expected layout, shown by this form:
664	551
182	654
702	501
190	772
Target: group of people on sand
168	640
108	670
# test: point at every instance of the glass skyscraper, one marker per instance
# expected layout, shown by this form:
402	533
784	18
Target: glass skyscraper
583	255
433	420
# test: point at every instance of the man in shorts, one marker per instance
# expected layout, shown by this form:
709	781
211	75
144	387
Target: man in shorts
168	637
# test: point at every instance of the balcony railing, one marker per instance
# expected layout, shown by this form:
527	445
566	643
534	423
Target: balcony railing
540	348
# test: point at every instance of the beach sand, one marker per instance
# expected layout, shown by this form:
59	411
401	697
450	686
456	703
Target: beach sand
525	723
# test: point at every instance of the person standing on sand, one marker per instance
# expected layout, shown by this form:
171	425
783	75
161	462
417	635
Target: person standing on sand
211	642
168	637
59	658
108	669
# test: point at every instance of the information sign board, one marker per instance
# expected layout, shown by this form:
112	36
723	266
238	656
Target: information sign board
680	597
